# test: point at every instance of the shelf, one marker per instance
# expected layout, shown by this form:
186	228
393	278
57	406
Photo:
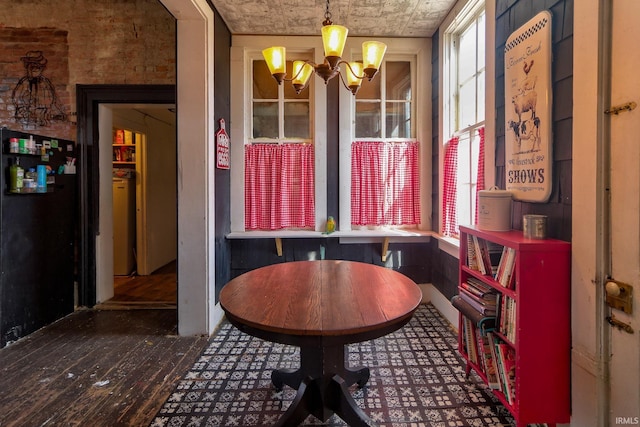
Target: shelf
24	154
28	193
532	335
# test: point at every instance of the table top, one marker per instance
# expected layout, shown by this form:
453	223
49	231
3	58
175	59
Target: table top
349	301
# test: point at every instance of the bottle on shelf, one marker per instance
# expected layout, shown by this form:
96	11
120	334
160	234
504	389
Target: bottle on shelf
16	174
29	182
41	179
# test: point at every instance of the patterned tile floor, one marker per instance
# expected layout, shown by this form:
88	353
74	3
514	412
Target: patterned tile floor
417	379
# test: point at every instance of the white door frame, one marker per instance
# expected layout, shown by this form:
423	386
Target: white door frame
197	310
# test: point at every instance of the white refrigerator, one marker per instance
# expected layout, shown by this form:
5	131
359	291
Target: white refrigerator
124	226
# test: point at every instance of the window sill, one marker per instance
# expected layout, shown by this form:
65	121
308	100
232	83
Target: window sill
448	245
419	235
360	236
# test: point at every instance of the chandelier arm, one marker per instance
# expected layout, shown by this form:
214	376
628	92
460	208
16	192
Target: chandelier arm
353	73
352	89
308	61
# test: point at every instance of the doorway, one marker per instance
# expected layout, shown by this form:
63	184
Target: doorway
91	186
137	244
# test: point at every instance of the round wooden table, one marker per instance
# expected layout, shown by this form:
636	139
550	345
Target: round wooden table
320	306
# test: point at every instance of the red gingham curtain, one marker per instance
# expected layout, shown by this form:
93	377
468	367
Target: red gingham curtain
450	188
385	185
279	186
480	177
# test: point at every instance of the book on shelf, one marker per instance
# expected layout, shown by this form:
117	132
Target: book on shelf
485	258
507	371
506	317
505	273
478	251
472	260
479	285
470	343
493	380
481	307
487	300
478	288
501	263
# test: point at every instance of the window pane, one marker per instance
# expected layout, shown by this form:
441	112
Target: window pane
370	89
467	53
368	119
481	47
264	85
398	80
265	119
467	107
398	124
296	120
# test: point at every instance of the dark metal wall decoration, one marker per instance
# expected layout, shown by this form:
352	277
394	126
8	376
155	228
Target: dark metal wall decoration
34	97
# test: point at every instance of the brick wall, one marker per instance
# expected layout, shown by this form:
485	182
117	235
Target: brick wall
83	42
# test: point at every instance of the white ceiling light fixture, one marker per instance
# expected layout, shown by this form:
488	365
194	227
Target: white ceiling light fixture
334	38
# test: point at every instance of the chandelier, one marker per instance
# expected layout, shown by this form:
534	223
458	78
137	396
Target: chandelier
334	38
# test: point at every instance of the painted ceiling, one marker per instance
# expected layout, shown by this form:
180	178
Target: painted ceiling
371	18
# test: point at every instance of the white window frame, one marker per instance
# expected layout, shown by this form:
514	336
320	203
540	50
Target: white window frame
461	10
244	51
418	52
383	100
282	101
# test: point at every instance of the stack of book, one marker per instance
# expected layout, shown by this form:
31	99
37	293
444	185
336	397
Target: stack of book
479	295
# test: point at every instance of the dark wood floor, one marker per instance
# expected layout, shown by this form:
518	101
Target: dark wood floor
156	290
98	367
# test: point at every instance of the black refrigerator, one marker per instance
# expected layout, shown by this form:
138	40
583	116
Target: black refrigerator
37	236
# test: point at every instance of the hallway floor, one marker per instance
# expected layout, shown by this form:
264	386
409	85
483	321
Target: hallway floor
158	290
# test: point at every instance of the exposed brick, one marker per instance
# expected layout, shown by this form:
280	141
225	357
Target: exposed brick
85	42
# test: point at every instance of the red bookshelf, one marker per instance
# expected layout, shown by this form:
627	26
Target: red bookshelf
535	329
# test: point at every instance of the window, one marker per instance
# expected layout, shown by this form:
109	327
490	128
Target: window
279	114
385	184
388	95
464	90
266	117
279	158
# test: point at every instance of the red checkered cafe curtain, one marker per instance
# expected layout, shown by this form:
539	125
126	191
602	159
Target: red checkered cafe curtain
279	186
450	184
385	184
450	188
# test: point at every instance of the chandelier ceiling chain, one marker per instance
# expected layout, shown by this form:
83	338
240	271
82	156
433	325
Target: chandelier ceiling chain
334	38
327	16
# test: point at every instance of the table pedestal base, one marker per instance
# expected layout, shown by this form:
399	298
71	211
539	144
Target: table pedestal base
323	387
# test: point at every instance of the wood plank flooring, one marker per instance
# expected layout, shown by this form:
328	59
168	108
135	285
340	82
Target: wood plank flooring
156	290
97	367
